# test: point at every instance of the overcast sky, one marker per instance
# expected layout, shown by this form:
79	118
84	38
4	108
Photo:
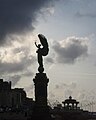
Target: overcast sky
70	28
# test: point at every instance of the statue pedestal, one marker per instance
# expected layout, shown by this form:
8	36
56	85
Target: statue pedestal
41	109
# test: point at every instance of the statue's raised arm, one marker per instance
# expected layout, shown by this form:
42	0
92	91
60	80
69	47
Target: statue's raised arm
42	51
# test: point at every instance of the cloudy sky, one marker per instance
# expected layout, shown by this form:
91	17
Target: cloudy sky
70	28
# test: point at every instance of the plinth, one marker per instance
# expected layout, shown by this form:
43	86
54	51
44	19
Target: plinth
41	109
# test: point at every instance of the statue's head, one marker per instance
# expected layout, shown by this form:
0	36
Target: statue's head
39	45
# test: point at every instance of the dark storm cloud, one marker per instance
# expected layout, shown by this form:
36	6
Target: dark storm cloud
18	16
70	50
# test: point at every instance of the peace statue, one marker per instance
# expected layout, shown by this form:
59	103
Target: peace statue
42	51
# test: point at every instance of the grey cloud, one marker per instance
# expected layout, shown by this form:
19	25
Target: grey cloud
16	60
14	79
89	15
49	60
63	86
70	89
18	16
57	86
51	95
73	85
87	95
70	50
29	88
21	49
67	88
16	66
68	92
28	74
82	96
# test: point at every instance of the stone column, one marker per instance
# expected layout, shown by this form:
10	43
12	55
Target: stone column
41	83
41	110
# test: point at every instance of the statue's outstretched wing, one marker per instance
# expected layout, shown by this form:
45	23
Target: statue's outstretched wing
44	43
43	40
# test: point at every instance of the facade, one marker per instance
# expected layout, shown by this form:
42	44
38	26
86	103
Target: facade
13	98
5	96
18	97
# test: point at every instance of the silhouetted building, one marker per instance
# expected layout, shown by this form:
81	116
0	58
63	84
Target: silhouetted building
17	101
29	103
70	104
18	97
69	111
5	96
13	98
4	85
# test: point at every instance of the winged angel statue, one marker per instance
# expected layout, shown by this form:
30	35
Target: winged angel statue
43	50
